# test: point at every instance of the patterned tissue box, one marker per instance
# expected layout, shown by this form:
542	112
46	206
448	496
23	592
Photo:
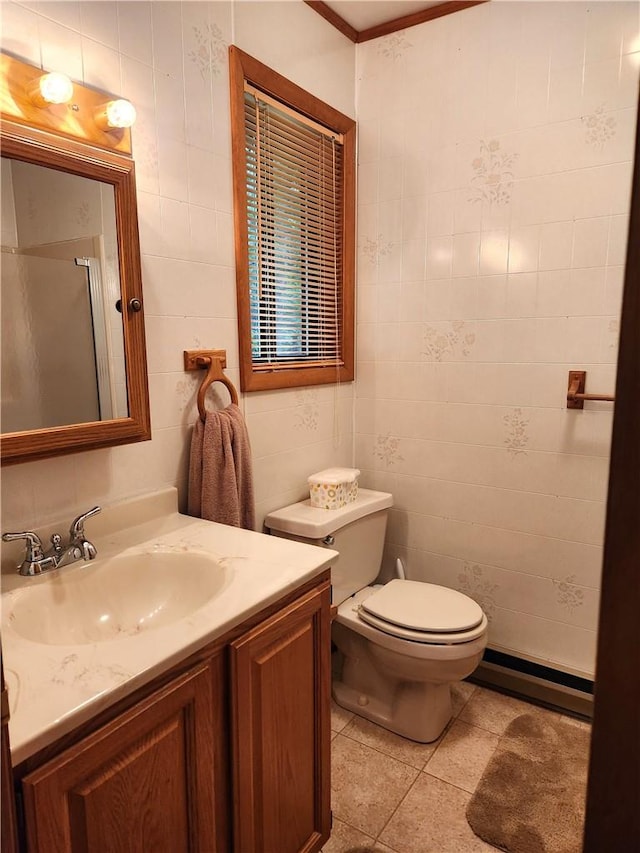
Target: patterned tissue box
333	487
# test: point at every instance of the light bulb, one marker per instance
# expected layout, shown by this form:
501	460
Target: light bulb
116	114
51	88
56	88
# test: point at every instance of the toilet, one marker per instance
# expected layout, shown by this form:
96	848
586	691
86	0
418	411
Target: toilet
403	643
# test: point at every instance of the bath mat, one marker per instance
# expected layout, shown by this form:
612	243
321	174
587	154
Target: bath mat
531	797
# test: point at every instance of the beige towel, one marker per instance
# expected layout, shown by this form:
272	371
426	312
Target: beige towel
220	478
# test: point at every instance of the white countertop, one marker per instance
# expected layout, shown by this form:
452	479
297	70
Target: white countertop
54	688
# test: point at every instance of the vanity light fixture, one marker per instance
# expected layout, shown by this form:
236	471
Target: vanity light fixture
114	115
51	102
50	88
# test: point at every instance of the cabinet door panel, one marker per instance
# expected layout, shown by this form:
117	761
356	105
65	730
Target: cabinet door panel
143	782
149	781
280	690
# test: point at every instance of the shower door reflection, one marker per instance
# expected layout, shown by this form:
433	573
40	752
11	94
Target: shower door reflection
53	295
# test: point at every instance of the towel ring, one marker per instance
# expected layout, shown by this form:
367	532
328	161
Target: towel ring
214	360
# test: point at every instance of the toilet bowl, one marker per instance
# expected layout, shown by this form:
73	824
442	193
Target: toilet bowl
400	683
402	643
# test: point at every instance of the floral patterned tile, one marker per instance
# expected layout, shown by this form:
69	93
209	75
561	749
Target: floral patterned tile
462	756
600	126
366	785
450	340
492	181
517	437
408	751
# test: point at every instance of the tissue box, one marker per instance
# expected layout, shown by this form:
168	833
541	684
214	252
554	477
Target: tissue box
333	487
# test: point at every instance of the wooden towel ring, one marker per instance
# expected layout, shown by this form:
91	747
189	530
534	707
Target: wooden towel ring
214	360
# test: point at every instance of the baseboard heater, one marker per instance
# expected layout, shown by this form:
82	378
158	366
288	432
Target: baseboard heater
542	684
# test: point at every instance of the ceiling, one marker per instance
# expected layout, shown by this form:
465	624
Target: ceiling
361	20
363	14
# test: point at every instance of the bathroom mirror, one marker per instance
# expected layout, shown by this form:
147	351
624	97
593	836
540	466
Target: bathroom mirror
73	351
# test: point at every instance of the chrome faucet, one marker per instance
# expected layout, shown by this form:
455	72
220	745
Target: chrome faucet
37	560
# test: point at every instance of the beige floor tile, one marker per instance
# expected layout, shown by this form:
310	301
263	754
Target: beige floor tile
364	731
339	717
346	839
460	695
366	786
493	711
463	755
431	819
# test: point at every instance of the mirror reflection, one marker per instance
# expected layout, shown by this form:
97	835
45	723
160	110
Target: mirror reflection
62	333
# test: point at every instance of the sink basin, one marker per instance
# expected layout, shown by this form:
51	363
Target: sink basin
118	598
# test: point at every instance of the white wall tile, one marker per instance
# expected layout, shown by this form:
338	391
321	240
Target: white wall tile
526	174
134	30
618	239
172	168
61	48
439	257
20	32
509	504
494	252
466	254
101	66
590	242
413	260
99	21
390	171
524	246
440	215
204	241
169	104
556	242
414	218
166	32
150	224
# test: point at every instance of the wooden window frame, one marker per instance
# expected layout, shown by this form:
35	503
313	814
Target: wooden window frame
245	68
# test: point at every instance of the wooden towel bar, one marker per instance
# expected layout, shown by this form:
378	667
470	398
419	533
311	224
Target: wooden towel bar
214	360
575	391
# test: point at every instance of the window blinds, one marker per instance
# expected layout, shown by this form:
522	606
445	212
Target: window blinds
295	230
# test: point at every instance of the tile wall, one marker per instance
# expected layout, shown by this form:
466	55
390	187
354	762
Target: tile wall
170	59
494	172
495	165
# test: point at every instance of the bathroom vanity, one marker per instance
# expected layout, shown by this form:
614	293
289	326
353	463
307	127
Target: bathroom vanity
208	731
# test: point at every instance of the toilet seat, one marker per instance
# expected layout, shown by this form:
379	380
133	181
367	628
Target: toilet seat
423	613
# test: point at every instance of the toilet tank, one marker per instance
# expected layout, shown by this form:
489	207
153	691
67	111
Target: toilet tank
356	531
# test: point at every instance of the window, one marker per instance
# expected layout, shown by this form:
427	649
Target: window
294	191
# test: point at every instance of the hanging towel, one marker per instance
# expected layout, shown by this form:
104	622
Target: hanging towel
220	476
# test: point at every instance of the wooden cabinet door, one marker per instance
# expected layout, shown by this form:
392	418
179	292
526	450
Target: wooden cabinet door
281	730
144	782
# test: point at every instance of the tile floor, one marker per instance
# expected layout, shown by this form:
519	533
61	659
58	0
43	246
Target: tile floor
391	794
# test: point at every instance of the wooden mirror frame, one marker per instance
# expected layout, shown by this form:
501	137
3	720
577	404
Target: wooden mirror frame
21	142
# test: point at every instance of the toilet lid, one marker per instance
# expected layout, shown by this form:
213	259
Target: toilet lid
432	638
422	607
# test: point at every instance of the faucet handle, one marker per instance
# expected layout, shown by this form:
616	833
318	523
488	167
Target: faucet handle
76	531
56	543
34	544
